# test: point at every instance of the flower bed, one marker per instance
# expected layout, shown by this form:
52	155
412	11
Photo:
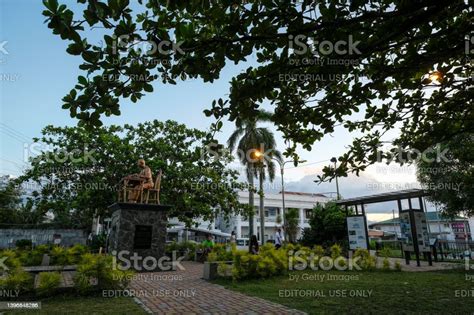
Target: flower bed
240	264
93	271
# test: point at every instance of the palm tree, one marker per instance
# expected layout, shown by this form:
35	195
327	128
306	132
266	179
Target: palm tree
267	163
248	139
291	224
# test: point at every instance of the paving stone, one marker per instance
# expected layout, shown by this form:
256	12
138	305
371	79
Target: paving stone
194	295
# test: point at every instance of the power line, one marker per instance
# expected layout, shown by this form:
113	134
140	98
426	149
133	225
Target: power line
17	132
307	164
12	135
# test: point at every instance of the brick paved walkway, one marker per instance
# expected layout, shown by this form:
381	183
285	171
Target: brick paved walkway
185	292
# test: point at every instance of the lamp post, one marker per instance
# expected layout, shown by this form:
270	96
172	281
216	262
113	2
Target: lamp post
282	171
334	160
260	156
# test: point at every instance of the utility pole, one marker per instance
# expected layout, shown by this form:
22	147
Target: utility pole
394	224
338	196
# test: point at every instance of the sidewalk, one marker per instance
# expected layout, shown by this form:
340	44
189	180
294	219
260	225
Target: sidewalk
424	266
185	292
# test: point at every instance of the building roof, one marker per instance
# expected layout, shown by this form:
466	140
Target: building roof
431	216
390	196
303	194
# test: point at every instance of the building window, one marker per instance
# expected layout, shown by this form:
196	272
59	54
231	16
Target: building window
270	211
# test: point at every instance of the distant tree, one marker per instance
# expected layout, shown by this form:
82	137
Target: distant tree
79	170
15	212
291	224
327	225
447	173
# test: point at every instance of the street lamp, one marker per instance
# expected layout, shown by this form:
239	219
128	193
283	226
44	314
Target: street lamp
282	171
334	160
434	78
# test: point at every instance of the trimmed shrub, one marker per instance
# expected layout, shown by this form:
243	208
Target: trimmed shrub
385	264
398	266
17	279
12	262
336	251
100	270
385	252
74	254
318	250
59	256
366	261
24	244
33	257
220	252
268	262
48	283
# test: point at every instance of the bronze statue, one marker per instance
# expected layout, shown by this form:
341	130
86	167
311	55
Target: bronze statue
143	180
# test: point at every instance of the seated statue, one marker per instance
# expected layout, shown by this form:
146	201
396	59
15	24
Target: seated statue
145	178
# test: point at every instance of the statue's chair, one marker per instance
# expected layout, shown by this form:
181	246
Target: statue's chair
152	195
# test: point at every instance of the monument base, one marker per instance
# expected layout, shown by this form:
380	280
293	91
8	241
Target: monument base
138	235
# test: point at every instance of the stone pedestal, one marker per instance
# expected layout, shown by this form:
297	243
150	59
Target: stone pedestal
138	235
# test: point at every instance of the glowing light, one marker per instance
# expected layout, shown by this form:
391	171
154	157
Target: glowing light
436	77
258	154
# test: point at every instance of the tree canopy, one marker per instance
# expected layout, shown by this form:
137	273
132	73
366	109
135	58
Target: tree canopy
79	170
448	176
15	212
327	225
361	65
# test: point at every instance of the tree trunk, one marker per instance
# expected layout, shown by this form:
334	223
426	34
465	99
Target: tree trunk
262	210
251	204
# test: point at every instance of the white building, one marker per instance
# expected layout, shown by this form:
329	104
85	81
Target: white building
304	202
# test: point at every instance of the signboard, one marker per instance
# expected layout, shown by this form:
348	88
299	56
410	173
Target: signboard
357	232
421	228
422	231
405	228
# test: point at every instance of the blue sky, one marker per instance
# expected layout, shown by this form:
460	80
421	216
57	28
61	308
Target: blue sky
37	72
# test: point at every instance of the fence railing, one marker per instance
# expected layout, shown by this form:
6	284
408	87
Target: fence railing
442	250
454	250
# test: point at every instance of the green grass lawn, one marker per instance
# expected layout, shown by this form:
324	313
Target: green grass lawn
67	304
391	292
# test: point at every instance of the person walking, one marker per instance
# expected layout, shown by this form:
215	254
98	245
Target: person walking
278	238
254	245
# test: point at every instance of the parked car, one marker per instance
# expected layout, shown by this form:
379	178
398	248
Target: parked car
242	243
